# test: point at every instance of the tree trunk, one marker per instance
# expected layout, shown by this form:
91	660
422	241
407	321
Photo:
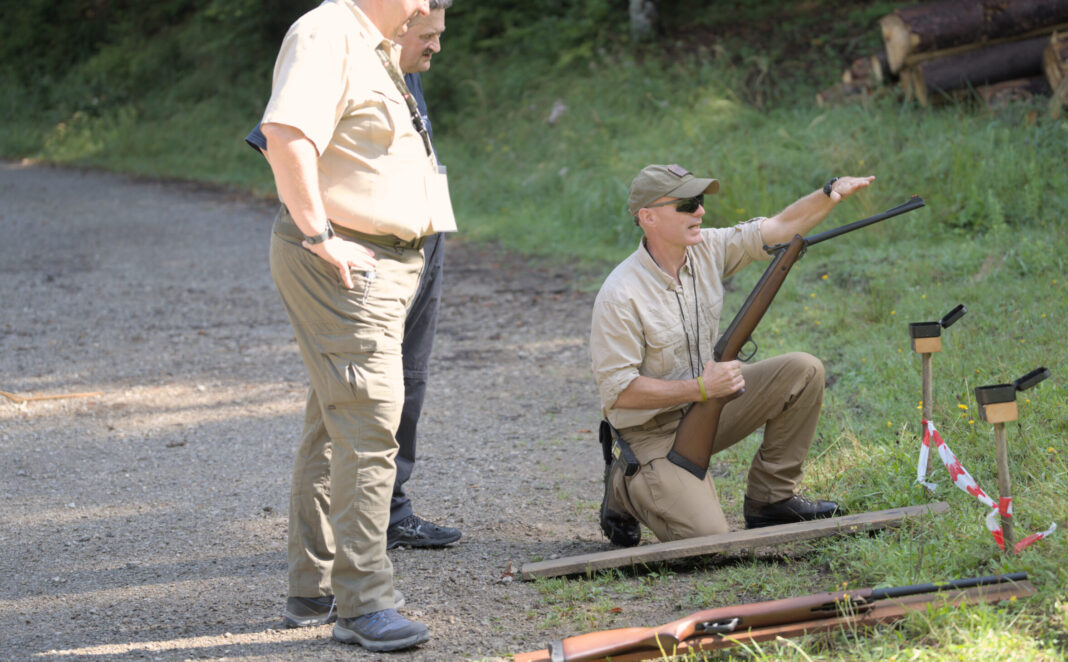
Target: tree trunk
993	64
1055	63
1007	91
642	19
950	24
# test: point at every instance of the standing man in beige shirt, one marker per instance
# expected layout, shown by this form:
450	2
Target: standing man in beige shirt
361	190
655	321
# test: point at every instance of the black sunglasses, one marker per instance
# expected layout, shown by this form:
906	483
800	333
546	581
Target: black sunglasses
684	205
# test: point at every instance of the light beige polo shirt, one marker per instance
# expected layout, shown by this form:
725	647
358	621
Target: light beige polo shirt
330	83
646	324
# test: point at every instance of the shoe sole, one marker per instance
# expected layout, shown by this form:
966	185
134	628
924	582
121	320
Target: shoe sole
761	523
441	542
346	636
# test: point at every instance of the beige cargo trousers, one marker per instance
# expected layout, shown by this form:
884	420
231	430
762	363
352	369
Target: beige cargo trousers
783	394
350	341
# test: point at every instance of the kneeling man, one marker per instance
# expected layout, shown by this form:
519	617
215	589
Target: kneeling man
654	325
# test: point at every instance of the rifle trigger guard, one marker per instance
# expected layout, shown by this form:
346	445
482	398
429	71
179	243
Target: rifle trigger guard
719	627
749	341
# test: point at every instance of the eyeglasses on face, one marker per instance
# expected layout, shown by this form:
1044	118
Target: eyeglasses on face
683	205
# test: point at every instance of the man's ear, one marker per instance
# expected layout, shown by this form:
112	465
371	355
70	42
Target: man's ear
645	217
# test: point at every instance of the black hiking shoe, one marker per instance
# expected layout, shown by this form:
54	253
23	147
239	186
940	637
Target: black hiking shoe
795	509
384	630
414	531
619	527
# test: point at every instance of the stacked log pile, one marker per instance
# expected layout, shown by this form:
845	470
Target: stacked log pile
951	49
1055	65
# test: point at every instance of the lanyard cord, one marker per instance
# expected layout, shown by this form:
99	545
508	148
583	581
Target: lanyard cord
413	108
697	326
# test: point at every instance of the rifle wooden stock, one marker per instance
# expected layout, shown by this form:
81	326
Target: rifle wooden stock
696	434
742	618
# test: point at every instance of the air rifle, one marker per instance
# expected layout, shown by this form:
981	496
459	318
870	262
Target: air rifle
696	433
736	619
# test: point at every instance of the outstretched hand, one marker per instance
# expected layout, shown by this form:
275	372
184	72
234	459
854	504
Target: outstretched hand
847	186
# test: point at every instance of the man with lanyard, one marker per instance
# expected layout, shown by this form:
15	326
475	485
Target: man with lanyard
360	190
419	42
654	324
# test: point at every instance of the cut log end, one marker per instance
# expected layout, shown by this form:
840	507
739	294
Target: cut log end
897	39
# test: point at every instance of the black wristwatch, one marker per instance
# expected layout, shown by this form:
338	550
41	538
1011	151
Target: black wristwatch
827	187
322	236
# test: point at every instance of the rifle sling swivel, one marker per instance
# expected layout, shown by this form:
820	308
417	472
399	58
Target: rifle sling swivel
718	627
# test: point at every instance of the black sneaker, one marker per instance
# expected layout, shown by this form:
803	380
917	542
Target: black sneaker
311	612
795	509
384	630
414	531
620	528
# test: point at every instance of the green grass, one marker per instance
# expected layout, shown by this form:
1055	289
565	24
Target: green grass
993	237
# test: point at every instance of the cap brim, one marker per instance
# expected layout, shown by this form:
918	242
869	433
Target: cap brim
695	187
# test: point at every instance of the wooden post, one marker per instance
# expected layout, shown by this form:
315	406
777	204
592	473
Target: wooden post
925	338
1004	483
928	406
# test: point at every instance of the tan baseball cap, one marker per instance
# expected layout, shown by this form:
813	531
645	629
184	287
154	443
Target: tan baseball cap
659	181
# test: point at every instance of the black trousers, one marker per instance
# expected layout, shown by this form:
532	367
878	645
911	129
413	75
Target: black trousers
419	328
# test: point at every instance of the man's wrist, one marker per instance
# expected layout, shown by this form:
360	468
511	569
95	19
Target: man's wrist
828	187
326	234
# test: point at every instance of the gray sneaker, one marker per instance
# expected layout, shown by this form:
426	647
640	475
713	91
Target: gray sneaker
384	630
311	612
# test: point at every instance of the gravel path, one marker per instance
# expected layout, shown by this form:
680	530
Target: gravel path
148	521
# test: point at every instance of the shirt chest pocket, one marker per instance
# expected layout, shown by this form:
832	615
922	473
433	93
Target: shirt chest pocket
665	349
373	122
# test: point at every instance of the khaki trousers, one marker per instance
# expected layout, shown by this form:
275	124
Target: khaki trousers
350	341
783	394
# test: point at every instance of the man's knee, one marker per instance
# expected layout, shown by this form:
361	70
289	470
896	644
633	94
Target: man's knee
808	369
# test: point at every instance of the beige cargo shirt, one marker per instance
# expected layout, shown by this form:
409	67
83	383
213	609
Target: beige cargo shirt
330	83
645	324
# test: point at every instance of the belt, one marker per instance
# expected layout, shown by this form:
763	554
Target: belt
387	240
660	420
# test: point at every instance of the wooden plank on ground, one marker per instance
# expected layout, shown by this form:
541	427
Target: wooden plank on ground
884	611
728	542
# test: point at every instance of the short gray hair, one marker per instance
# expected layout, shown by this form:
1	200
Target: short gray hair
440	4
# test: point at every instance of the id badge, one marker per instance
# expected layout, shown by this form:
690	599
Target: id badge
437	195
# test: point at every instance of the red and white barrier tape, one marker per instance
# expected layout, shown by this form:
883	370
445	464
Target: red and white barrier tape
962	479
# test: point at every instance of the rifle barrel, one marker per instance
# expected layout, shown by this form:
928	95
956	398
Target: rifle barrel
956	584
915	202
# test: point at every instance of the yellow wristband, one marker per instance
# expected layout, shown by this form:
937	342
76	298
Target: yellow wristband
701	385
